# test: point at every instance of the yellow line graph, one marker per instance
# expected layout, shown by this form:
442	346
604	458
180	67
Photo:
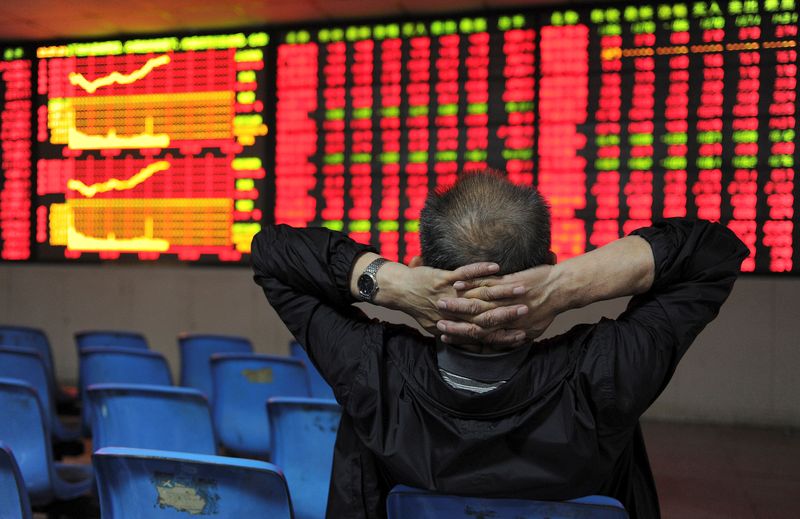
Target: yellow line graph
77	79
77	140
141	224
141	121
76	240
114	184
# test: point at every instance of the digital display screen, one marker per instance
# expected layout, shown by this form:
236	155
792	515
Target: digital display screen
620	115
180	148
690	110
369	119
151	148
15	155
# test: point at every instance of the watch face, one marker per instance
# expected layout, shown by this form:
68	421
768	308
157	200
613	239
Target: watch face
366	285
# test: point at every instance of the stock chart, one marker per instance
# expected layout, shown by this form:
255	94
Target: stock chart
150	147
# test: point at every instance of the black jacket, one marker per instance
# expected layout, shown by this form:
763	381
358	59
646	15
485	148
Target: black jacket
565	425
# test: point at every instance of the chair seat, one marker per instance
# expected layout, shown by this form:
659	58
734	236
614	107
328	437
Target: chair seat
110	338
410	503
28	365
36	340
137	483
119	366
303	434
242	385
14	503
196	351
28	435
151	417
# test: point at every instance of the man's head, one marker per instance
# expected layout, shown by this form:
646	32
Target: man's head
484	217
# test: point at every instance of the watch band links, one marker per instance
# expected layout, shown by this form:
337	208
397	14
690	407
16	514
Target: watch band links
372	268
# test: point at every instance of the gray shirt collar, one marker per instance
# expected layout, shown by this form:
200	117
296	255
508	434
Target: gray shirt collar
483	367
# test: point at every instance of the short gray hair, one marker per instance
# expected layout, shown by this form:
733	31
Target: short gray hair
485	217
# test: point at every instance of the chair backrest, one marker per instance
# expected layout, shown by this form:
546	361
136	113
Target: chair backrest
110	338
32	338
23	428
27	365
319	388
406	502
242	386
14	502
303	433
135	483
196	351
151	417
120	366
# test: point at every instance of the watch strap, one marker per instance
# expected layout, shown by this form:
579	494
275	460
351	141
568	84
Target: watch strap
372	268
371	271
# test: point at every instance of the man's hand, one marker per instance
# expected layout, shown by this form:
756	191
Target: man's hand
484	307
502	311
415	289
424	286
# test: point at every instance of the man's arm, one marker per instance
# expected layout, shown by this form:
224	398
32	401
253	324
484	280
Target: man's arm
690	271
309	275
696	265
305	275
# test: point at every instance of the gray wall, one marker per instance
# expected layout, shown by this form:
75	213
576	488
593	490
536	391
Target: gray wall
742	369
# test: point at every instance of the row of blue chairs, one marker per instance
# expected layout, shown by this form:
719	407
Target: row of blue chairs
303	432
195	352
135	483
245	380
241	384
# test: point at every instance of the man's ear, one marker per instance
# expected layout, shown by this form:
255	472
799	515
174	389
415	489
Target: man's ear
415	262
551	258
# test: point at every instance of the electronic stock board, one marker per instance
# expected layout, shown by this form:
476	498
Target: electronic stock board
153	147
620	114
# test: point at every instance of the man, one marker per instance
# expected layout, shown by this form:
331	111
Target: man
498	414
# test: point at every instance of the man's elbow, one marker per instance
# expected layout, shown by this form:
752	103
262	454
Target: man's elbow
259	247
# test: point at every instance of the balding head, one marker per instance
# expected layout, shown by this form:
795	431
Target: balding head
484	217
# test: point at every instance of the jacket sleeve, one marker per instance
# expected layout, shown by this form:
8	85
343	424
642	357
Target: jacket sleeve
305	274
696	264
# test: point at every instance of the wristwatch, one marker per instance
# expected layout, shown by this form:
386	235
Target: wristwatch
368	281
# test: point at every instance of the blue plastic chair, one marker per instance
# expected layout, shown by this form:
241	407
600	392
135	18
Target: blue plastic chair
303	432
405	502
319	388
196	351
242	386
27	365
25	430
151	417
14	502
119	366
110	338
35	339
136	483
